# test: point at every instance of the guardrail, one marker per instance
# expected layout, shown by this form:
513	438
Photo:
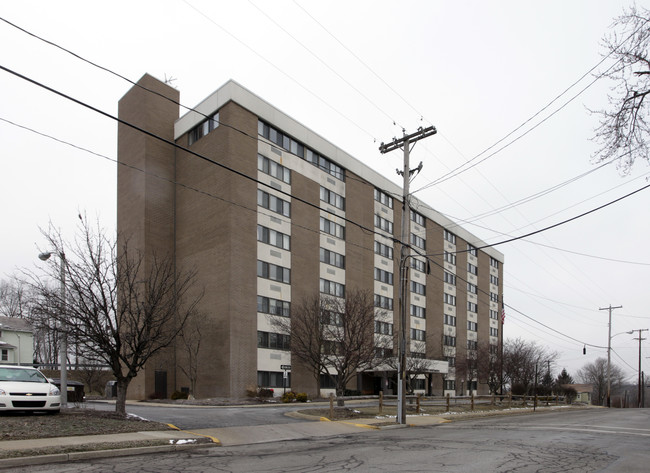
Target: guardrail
502	400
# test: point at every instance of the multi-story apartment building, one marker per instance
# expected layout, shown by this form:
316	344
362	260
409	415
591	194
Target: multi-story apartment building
268	213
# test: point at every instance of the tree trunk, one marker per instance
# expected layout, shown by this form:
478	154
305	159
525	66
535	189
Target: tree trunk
120	404
340	392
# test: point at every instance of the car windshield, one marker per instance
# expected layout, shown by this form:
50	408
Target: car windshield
22	375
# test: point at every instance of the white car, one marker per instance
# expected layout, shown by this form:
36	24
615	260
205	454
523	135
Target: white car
26	389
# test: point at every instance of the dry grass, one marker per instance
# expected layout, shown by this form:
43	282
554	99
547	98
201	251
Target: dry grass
70	422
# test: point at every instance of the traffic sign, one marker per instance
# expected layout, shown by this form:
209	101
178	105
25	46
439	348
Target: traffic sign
285	367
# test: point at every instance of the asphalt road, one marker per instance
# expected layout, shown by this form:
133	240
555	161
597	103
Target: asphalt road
615	440
192	418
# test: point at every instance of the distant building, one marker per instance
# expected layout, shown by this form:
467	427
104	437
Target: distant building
16	341
584	392
258	247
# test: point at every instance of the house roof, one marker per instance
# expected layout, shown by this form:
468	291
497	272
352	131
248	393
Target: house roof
15	324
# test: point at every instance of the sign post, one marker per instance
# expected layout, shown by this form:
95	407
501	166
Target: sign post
284	377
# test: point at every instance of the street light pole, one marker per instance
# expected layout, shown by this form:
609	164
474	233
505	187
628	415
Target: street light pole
63	345
609	350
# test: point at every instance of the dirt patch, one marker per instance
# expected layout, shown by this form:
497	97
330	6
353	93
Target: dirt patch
70	422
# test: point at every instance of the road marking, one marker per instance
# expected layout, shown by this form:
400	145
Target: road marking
576	429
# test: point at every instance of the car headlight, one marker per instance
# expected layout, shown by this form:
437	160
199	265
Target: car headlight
3	392
54	391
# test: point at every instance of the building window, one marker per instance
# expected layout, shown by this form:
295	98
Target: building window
472	288
471	250
419	335
275	341
273	379
472	269
273	203
273	272
450	384
418	265
494	314
418	288
272	237
266	305
420	356
203	128
472	344
329	317
494	263
494	279
450	320
383	250
332	288
326	381
383	198
383	276
332	198
494	332
494	297
472	326
5	355
472	307
450	278
329	257
418	218
383	224
417	311
418	241
451	360
383	328
450	258
449	299
331	228
450	237
449	341
383	302
270	167
289	144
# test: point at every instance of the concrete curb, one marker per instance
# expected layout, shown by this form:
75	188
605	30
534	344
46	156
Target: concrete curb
94	454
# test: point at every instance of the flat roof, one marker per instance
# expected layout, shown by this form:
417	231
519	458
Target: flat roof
233	91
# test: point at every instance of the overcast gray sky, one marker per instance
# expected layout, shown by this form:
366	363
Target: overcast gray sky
358	73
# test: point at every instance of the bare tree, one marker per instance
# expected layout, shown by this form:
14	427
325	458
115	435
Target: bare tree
121	308
14	300
190	337
416	363
596	374
521	359
489	366
334	337
624	130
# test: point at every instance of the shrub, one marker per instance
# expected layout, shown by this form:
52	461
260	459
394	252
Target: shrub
351	392
301	397
289	396
264	392
178	395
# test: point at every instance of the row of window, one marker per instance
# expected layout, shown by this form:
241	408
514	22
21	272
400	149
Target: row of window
418	241
419	335
276	341
383	276
203	128
273	272
331	228
332	198
383	250
267	305
332	288
417	311
289	144
383	328
472	326
383	224
383	198
273	203
419	265
273	237
383	302
418	288
273	379
332	258
270	167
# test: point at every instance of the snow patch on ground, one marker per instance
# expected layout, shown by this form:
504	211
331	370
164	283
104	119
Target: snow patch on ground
182	441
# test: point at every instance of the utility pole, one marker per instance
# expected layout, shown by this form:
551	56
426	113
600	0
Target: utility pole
609	351
404	143
639	401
